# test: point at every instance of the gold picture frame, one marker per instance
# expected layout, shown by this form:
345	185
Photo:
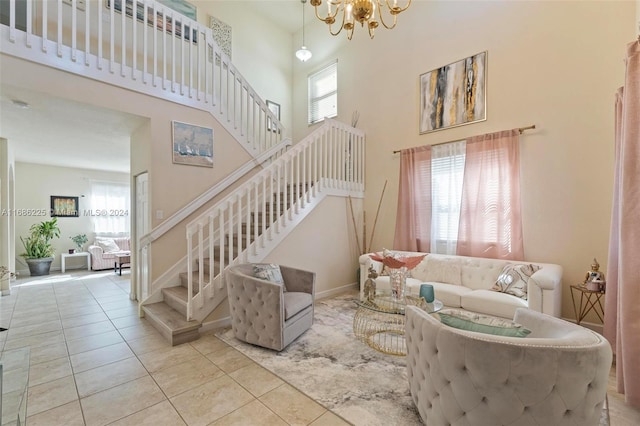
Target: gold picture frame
454	94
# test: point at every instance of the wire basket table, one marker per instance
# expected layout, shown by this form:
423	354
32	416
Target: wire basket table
380	322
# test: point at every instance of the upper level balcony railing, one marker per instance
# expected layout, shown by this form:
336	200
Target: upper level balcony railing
149	48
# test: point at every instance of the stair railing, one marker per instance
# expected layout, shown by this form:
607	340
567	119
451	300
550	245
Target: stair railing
160	53
144	242
248	223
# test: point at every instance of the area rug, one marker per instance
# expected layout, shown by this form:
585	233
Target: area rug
331	366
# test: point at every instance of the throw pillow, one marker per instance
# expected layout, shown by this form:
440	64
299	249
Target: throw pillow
514	279
107	245
471	321
432	269
270	272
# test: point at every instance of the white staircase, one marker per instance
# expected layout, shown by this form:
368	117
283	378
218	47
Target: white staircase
250	222
161	53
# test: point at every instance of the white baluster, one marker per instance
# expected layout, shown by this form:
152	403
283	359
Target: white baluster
112	24
145	40
74	30
29	22
154	20
182	64
87	32
200	261
172	35
211	251
134	39
45	20
60	41
99	34
123	38
189	275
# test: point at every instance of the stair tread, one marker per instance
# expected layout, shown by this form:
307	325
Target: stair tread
196	274
179	293
171	319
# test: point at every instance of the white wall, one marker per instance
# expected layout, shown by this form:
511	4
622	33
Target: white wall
262	52
552	64
35	183
7	217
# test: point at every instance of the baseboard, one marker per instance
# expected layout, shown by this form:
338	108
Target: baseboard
335	291
598	328
215	324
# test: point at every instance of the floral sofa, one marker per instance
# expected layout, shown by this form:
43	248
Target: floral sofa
104	251
487	286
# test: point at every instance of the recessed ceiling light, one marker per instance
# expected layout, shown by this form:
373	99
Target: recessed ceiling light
20	104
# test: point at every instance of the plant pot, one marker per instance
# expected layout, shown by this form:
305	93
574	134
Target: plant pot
72	251
39	266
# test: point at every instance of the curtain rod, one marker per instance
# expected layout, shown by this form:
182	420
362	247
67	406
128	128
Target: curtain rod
521	130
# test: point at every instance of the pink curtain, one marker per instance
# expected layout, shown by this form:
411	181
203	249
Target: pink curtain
413	218
490	215
622	299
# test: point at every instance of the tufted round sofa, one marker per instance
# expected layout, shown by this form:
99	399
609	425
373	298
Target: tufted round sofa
266	313
555	376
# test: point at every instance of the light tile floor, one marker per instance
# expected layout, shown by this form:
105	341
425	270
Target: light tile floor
94	362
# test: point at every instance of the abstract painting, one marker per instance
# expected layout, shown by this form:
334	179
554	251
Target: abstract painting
454	94
192	145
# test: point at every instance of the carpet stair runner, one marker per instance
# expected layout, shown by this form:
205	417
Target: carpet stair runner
169	317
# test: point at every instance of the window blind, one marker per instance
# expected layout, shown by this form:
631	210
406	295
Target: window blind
323	94
447	171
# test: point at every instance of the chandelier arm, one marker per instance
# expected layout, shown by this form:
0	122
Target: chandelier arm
340	27
381	15
328	17
399	9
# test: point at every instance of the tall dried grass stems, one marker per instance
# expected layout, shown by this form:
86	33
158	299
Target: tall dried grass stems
365	249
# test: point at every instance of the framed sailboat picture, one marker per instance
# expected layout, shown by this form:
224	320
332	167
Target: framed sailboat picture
192	144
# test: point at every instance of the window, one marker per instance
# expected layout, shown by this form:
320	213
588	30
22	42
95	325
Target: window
323	94
462	198
447	171
110	206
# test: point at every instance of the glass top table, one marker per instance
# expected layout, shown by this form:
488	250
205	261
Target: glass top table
380	322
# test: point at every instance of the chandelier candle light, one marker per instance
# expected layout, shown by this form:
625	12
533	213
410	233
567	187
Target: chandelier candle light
363	11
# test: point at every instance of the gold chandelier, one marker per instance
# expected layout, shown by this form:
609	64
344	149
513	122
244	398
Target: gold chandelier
363	11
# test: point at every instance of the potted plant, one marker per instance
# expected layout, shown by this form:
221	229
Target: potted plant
38	249
80	240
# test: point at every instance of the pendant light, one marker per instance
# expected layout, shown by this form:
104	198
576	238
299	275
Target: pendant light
303	53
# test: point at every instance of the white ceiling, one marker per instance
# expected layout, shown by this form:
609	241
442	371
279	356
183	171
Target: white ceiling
69	134
65	133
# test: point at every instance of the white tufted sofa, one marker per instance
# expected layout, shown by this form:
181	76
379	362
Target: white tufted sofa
476	276
265	313
555	376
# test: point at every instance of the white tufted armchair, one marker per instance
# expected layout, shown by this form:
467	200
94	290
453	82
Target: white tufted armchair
265	313
555	376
